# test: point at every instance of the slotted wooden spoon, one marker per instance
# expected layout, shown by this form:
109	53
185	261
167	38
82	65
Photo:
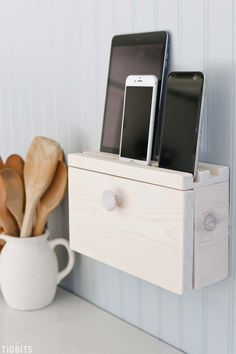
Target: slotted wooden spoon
52	198
39	170
14	190
16	163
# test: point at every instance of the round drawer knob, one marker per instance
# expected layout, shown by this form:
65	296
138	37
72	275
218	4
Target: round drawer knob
109	200
210	222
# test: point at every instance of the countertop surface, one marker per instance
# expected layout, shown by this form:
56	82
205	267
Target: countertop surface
72	325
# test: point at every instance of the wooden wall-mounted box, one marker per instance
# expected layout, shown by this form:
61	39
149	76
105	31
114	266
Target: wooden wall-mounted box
153	223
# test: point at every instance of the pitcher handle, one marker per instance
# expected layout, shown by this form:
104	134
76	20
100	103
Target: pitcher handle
71	257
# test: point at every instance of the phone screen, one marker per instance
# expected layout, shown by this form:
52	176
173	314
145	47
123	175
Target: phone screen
181	120
136	122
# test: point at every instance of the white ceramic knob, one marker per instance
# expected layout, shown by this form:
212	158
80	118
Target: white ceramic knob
109	200
210	222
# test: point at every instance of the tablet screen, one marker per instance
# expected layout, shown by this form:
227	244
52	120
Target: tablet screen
136	59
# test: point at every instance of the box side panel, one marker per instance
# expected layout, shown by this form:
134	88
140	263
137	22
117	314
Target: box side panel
211	234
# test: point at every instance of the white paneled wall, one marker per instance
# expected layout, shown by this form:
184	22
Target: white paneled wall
53	68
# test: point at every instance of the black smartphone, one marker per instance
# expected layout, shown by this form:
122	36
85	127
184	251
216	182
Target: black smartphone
182	118
132	54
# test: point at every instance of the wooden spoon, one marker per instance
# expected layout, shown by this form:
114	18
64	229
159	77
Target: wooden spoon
7	223
1	163
14	193
39	170
61	156
16	163
2	242
52	198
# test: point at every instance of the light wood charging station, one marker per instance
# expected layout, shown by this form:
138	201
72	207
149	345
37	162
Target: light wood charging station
156	224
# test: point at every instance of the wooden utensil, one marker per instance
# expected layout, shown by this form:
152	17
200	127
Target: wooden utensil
10	229
16	163
14	193
39	170
61	156
1	163
7	223
52	197
2	242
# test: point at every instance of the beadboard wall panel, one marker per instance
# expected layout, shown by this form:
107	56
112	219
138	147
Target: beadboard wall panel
232	285
192	56
219	69
53	72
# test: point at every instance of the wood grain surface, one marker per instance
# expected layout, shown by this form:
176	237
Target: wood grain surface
149	234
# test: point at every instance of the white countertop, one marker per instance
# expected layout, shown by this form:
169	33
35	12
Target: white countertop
73	326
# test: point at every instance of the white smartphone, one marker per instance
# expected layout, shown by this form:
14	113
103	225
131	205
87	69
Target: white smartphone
138	118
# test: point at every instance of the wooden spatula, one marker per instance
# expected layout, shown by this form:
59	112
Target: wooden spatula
52	197
14	193
39	170
16	163
7	223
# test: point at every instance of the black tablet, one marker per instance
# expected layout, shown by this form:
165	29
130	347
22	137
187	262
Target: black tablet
132	54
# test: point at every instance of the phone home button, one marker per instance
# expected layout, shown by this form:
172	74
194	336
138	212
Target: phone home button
132	162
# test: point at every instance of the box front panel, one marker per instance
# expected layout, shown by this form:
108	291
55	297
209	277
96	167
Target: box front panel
148	233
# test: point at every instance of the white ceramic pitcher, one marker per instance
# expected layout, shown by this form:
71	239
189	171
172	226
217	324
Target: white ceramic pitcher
29	270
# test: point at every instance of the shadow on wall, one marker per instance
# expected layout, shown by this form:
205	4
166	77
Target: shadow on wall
217	132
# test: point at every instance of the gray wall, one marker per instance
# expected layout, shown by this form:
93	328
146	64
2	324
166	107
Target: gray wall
53	69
